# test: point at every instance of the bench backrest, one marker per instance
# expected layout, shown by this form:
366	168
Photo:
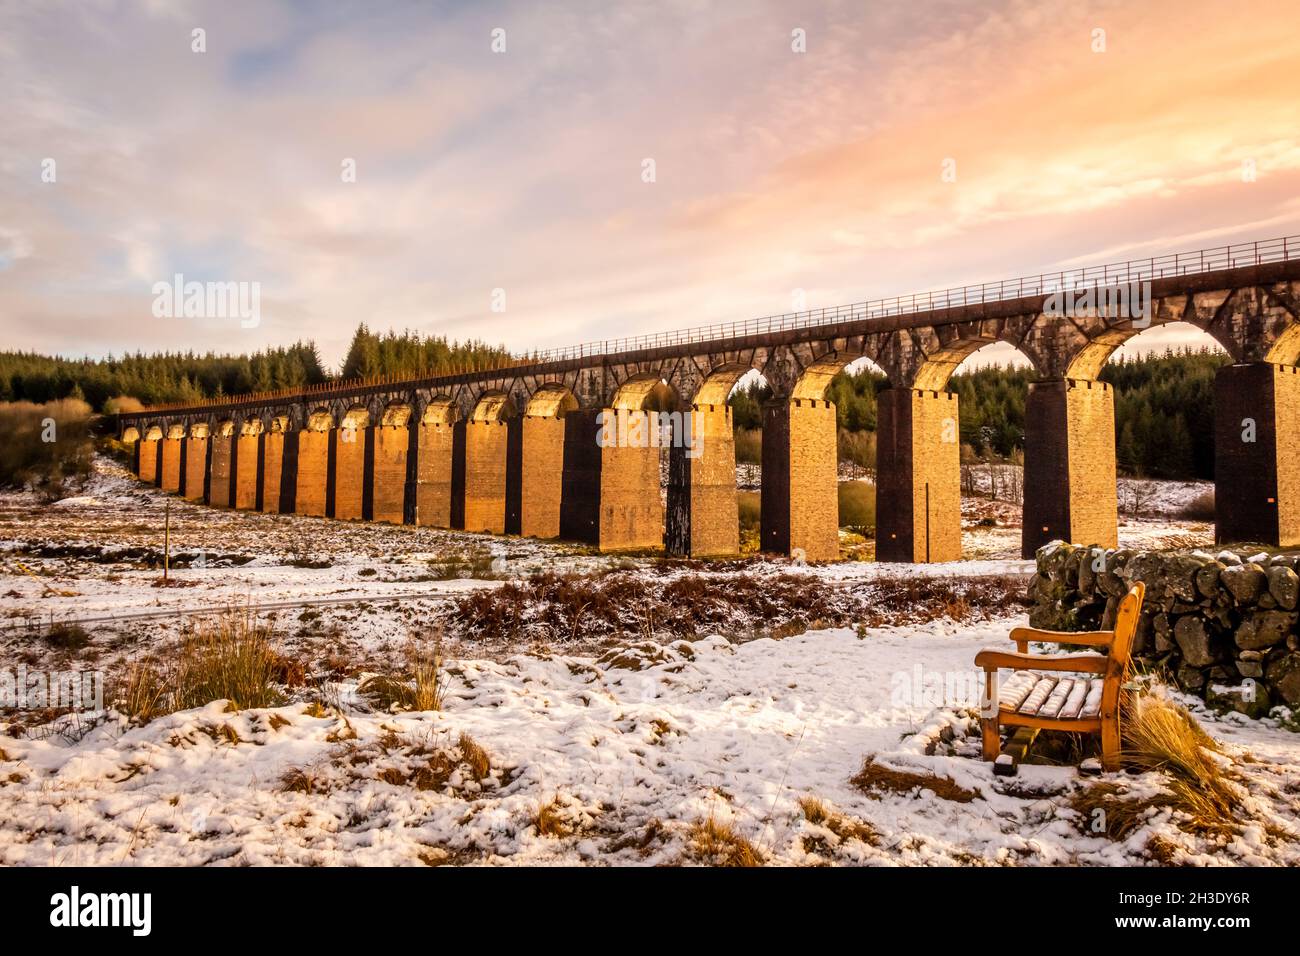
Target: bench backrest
1121	649
1126	625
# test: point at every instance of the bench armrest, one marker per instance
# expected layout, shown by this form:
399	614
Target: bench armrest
1088	663
1023	635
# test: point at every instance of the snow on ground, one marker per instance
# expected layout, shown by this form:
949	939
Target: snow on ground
623	754
621	764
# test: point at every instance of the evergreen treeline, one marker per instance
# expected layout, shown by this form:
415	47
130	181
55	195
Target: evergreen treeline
411	354
1164	410
187	376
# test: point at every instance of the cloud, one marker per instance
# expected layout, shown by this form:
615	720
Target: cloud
776	170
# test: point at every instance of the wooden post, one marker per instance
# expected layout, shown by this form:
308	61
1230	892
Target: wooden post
167	540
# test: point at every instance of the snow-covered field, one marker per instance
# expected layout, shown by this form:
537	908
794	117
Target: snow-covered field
641	752
619	765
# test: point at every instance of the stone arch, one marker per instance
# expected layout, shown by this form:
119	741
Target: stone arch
816	377
718	384
551	400
224	428
251	428
153	433
199	430
938	368
440	410
357	417
319	420
396	414
493	406
646	391
130	434
176	431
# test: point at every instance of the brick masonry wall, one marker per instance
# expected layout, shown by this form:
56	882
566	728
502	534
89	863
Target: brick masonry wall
246	458
485	476
349	473
219	484
631	507
171	464
1046	514
1069	465
1221	625
714	513
814	480
1286	408
541	476
433	476
936	477
196	466
272	470
1090	423
391	444
148	454
313	465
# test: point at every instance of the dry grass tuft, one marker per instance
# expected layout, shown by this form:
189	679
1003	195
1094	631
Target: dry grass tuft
298	780
1103	808
225	658
420	692
550	820
474	756
1200	508
718	844
1159	735
67	637
818	813
874	778
144	694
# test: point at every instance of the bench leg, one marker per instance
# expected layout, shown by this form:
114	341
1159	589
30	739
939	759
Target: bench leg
989	716
1110	742
992	742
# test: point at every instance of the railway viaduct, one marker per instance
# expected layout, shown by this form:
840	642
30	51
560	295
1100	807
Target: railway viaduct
514	448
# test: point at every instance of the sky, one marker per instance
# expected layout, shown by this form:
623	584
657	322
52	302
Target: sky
502	194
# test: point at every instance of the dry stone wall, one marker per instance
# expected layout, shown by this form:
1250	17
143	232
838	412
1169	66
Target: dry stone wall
1222	625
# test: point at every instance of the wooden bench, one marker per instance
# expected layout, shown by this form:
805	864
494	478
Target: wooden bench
1036	696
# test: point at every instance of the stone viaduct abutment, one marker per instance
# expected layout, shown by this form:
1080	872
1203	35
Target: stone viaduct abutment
568	444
